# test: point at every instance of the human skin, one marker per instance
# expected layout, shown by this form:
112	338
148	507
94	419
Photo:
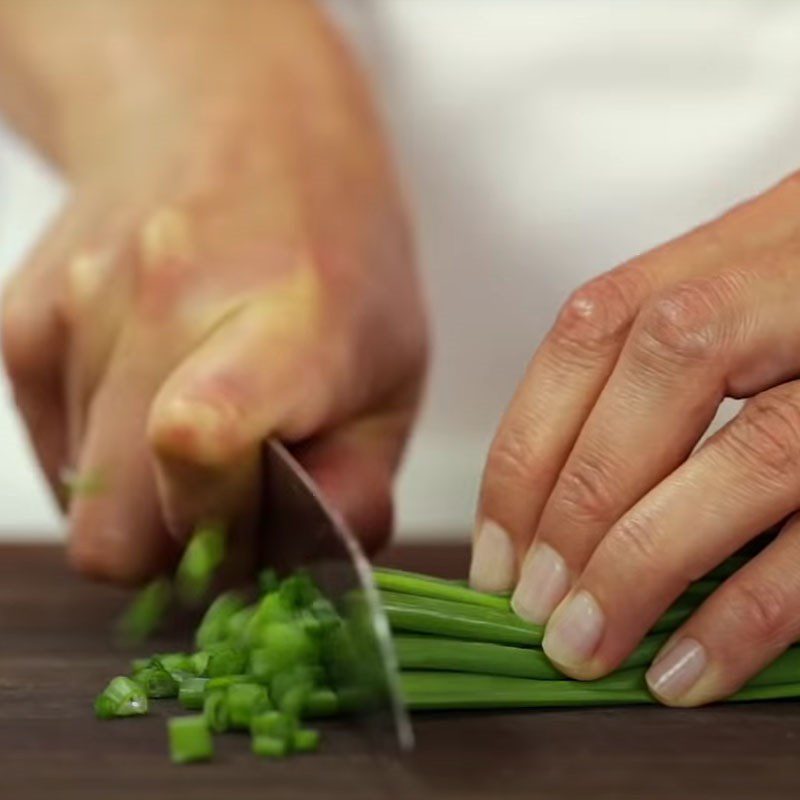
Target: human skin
595	506
234	263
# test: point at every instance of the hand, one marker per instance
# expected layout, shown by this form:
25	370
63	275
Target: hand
594	504
234	264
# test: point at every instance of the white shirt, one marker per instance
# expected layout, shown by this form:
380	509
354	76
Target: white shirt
541	142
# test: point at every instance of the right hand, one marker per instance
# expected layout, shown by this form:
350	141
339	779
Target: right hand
234	264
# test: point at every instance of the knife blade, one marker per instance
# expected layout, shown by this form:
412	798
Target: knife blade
298	528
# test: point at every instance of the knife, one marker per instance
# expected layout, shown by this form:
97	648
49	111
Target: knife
298	528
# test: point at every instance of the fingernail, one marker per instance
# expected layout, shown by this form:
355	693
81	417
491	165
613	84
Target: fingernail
493	560
574	631
672	675
542	586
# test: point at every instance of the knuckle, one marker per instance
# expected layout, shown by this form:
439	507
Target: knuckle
585	490
165	236
635	541
767	432
599	313
759	611
21	333
513	462
198	432
13	331
680	325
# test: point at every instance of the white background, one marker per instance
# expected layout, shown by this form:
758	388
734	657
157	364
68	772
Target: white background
542	142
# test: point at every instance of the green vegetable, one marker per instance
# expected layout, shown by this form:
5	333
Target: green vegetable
305	740
273	723
456	655
156	681
215	625
414	614
202	558
244	701
121	698
396	580
268	665
268	747
146	612
224	681
191	693
216	712
189	739
224	660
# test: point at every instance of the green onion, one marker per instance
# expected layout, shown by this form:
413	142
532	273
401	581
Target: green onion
273	723
146	612
305	740
244	701
121	698
214	627
396	580
156	681
268	747
321	702
176	663
238	624
215	711
268	581
202	558
438	691
189	739
225	681
224	660
456	655
458	620
191	693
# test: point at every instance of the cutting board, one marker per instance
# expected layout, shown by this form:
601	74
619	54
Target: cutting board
55	655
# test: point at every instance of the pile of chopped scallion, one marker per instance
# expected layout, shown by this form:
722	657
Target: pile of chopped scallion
262	667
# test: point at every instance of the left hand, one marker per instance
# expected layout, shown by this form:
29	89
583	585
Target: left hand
593	504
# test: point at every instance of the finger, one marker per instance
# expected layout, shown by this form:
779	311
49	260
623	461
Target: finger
741	482
270	368
738	631
34	338
692	345
118	533
354	467
99	295
572	365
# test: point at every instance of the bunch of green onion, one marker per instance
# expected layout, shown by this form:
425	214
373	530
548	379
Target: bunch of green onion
262	666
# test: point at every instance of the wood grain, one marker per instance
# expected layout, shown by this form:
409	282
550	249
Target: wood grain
55	654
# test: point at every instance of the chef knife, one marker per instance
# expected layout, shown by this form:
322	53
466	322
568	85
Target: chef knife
298	528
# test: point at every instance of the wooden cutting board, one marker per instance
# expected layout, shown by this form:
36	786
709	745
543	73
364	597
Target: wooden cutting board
55	655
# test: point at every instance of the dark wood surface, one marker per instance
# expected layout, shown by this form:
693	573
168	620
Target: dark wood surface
55	654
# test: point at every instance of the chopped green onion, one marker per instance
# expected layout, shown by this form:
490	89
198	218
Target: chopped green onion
156	681
246	700
189	739
268	581
214	627
305	740
146	612
268	747
224	660
191	693
224	681
121	698
273	723
86	484
202	558
215	711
